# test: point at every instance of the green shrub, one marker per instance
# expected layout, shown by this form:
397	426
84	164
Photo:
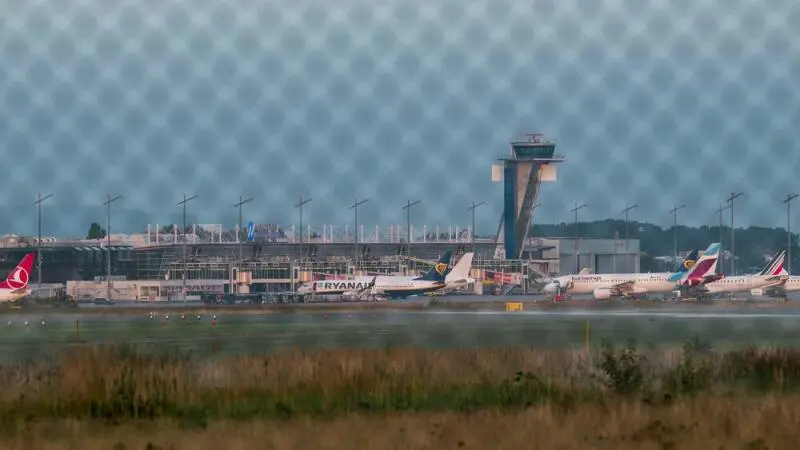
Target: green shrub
623	369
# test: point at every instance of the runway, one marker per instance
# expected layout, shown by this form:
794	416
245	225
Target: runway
237	333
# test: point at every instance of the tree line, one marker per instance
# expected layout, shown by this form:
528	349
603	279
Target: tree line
752	243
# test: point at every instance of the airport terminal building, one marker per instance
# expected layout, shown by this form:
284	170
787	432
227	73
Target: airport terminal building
269	258
155	272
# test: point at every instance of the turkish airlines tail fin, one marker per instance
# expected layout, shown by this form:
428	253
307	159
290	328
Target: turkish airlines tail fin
18	278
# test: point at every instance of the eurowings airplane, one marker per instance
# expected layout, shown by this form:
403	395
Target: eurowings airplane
605	286
389	285
15	286
772	274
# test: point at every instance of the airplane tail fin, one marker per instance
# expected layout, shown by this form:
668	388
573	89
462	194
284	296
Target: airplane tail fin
19	277
686	266
707	263
438	271
689	261
461	269
775	265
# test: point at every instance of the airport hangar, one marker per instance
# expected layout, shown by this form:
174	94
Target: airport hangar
153	268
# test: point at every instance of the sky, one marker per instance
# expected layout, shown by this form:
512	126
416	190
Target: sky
653	103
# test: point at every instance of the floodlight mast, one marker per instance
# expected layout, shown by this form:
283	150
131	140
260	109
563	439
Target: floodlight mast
472	230
38	203
183	204
575	251
300	206
107	204
354	207
788	202
733	196
407	207
674	212
239	205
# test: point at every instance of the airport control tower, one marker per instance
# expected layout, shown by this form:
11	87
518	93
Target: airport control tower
532	160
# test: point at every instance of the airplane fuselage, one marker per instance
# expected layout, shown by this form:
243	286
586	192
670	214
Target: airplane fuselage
391	286
642	282
8	295
740	283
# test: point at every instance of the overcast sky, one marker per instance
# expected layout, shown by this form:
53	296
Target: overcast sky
652	103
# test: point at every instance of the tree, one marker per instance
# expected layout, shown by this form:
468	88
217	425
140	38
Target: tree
96	231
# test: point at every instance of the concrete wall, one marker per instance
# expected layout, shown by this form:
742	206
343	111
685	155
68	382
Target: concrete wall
599	255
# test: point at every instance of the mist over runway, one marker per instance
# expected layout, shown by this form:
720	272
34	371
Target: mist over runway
25	335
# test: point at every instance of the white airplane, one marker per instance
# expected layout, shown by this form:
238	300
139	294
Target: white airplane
388	285
780	289
773	274
459	278
15	286
605	286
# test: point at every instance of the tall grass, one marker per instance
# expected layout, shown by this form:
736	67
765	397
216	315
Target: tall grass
115	383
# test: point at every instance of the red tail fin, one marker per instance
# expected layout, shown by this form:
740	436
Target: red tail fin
778	270
18	278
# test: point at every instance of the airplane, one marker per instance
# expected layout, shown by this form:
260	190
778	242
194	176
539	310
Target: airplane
15	286
458	277
701	273
780	289
389	285
772	274
605	286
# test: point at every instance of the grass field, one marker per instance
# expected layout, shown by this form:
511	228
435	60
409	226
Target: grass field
760	423
690	397
246	334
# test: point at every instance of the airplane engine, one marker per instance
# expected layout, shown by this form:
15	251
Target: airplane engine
757	292
602	293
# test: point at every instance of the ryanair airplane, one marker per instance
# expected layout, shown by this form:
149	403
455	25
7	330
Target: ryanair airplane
396	287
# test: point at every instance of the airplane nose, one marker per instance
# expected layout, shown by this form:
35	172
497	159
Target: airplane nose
550	288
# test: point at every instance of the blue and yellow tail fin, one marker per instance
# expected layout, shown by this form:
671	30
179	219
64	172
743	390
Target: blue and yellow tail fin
687	264
440	270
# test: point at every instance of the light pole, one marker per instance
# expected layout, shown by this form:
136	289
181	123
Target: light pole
719	212
38	203
575	254
626	211
407	207
674	212
300	205
354	207
472	231
788	202
107	204
730	200
183	203
239	231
